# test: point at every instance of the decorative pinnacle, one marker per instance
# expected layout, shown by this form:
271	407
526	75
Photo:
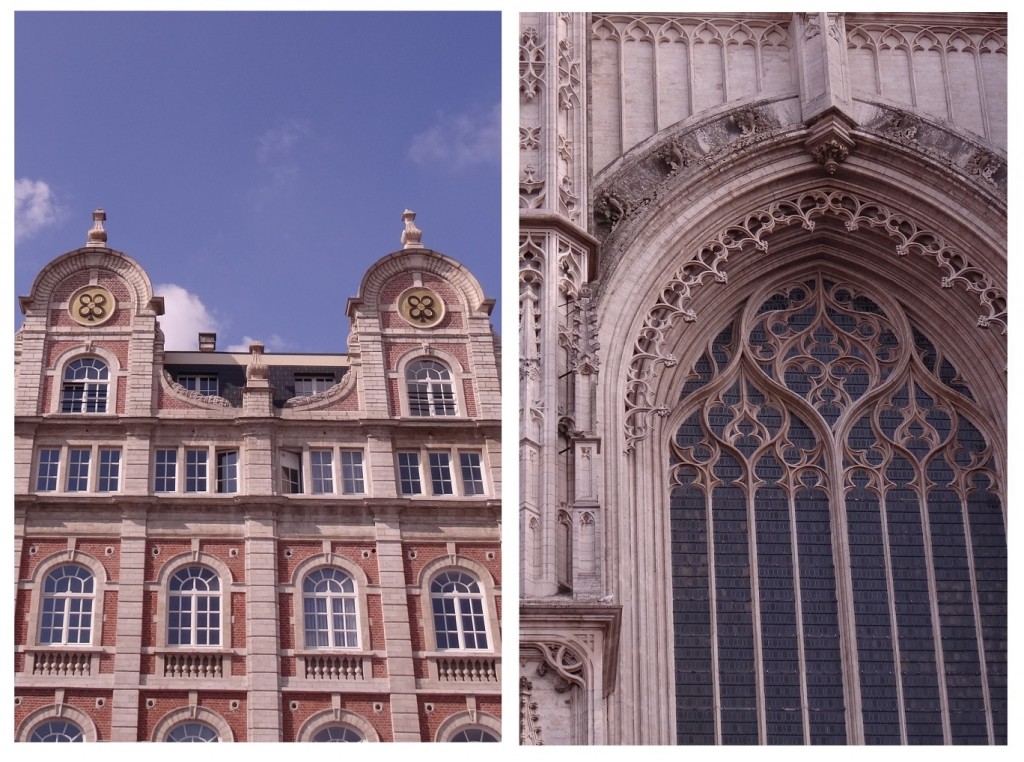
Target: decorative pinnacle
97	235
412	235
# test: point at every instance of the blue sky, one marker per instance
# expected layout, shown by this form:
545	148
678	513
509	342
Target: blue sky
256	163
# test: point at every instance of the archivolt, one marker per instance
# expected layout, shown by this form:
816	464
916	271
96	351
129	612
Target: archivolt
753	230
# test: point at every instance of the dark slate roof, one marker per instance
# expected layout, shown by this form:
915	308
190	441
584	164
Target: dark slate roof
231	378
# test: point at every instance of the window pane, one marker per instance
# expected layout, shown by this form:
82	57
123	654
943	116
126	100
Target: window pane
227	471
409	473
192	732
110	470
84	387
309	385
195	470
440	473
78	470
57	731
166	471
472	473
322	467
208	386
46	479
352	472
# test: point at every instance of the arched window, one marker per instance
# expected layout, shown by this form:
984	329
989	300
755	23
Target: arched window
827	451
457	603
194	607
474	734
329	609
430	389
67	606
85	386
56	730
192	732
337	733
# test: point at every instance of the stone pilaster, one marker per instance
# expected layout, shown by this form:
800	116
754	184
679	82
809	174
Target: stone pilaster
130	626
262	627
397	629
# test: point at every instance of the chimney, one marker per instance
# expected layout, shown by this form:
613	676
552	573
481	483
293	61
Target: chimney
207	342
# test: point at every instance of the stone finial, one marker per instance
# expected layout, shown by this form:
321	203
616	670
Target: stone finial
257	369
412	235
97	235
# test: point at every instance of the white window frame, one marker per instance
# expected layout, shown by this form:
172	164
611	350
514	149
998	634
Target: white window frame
313	383
488	592
350	480
442	466
198	601
36	605
228	464
362	587
479	479
90	377
64	605
410	472
210	472
432	383
345	599
459	605
332	477
457	378
203	384
59	472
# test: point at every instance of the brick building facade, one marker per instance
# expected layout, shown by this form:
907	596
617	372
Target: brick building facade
253	546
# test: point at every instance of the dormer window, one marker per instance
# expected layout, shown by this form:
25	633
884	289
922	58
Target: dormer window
85	386
306	386
206	385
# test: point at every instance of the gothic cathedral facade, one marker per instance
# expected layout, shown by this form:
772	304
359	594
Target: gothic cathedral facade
763	363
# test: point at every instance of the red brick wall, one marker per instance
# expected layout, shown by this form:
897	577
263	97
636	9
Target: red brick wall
310	704
82	700
218	702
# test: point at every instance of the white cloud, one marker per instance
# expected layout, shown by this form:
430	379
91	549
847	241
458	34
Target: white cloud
35	207
460	140
277	142
274	344
184	317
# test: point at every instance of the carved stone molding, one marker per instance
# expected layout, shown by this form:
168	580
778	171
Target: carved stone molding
640	393
193	397
339	391
531	64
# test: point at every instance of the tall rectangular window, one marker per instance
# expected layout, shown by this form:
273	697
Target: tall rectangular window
46	475
321	465
291	473
227	471
165	471
472	473
195	470
440	473
78	469
352	472
409	473
110	470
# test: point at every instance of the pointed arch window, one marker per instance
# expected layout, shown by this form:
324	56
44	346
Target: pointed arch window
430	389
457	603
67	606
329	609
85	385
828	451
